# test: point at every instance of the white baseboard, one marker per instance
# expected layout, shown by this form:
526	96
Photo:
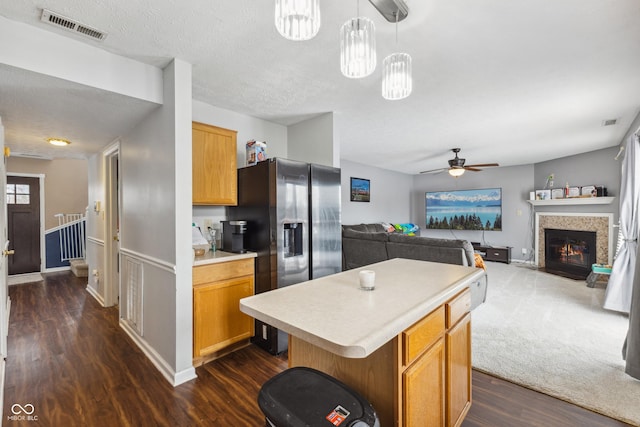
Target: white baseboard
56	269
3	363
19	279
522	261
95	295
2	375
174	378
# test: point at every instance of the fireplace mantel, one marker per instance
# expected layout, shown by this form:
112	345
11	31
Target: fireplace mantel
573	201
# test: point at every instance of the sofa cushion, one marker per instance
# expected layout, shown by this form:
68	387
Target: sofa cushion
360	248
426	253
436	243
363	235
367	228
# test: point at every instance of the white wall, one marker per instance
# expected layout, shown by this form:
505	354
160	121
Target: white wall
55	55
593	168
312	141
155	164
515	181
390	195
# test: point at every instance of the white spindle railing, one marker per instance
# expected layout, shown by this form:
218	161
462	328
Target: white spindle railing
72	236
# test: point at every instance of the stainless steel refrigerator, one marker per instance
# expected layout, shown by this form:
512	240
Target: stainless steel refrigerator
293	215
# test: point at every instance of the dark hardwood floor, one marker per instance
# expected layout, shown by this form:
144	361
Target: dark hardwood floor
70	360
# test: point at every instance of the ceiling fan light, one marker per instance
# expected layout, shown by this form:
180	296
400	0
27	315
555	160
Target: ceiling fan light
456	172
358	48
297	20
397	82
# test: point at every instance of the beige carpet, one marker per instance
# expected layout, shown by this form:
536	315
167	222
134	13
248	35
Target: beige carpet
551	334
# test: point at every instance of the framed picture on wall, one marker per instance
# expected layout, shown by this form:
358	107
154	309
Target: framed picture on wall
360	190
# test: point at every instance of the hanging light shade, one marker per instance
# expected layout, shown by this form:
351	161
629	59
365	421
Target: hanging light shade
298	19
357	48
396	76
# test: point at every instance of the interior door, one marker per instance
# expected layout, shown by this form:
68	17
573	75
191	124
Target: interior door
23	217
112	240
4	298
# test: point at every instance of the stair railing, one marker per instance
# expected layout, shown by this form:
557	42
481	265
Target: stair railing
72	236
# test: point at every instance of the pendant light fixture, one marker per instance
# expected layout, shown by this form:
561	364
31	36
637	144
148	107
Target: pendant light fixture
397	81
298	19
358	47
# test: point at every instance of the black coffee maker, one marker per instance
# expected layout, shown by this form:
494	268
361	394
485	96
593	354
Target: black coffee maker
233	235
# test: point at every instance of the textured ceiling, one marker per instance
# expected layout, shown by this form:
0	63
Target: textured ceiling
513	82
34	107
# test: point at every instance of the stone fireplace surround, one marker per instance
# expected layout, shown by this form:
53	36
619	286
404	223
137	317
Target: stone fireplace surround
601	223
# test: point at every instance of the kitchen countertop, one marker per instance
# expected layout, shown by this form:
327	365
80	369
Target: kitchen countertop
210	257
333	313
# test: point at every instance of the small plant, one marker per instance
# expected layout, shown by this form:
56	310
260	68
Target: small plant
549	183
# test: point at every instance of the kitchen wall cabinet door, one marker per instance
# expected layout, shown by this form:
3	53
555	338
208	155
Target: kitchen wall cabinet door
214	165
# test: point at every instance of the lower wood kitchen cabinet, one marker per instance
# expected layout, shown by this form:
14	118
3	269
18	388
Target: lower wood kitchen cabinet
218	323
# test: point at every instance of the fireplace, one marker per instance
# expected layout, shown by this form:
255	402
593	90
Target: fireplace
569	253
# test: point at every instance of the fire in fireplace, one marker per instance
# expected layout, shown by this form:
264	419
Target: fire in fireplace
569	253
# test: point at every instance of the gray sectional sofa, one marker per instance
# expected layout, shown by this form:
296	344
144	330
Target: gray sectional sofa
364	244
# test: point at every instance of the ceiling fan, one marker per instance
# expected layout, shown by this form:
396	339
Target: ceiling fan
457	168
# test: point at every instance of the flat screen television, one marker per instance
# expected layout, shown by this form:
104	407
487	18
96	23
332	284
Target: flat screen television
464	209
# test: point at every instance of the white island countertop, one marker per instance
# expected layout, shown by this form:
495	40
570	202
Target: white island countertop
333	313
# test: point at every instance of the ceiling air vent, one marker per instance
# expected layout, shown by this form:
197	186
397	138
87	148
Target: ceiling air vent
69	24
609	122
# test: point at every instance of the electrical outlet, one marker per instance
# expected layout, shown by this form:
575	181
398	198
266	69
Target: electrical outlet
524	251
206	224
264	332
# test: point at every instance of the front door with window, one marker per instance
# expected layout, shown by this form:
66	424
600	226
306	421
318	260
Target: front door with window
23	221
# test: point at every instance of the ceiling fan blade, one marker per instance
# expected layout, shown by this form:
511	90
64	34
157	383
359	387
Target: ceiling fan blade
483	165
434	171
467	168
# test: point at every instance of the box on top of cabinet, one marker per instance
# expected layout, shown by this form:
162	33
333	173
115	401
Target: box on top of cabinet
256	152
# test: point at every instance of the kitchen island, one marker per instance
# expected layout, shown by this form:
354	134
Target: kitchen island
405	346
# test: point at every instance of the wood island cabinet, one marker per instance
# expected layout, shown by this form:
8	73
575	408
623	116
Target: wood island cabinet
428	382
218	322
214	165
423	389
458	359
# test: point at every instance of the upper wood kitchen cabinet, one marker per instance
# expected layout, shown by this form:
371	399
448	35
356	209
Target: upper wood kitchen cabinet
214	165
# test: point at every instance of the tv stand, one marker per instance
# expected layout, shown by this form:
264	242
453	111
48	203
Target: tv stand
493	253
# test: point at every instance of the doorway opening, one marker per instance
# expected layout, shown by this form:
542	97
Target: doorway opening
112	223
